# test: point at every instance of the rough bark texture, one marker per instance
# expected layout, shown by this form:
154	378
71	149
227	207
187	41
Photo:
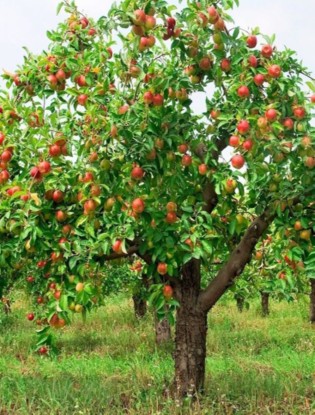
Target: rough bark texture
265	304
312	301
191	332
162	330
240	304
139	305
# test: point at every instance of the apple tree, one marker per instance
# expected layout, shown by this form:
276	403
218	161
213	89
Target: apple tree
104	155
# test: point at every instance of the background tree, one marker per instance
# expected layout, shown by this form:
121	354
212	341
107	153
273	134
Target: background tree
103	158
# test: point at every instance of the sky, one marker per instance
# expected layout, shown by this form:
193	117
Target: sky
24	23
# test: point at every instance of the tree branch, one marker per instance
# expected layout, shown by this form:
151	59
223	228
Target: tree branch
236	263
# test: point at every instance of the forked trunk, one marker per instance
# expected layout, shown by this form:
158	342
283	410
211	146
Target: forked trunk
191	333
240	304
265	304
139	305
162	330
312	301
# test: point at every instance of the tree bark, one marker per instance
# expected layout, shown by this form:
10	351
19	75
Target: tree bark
240	304
265	304
191	333
6	305
139	306
162	330
312	301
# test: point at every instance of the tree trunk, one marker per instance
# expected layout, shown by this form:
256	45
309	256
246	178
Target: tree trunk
162	330
312	301
6	305
265	304
139	305
240	303
191	332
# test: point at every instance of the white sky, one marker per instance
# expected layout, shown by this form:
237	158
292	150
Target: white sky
24	23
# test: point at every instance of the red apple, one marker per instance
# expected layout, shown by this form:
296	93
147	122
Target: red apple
171	22
138	205
162	268
2	138
117	246
299	112
54	150
267	51
309	162
247	145
259	79
251	41
88	177
183	148
234	141
214	114
92	31
82	99
43	350
4	176
171	217
81	80
205	63
13	190
213	14
243	126
84	22
61	75
96	190
44	167
89	206
225	65
288	123
58	196
139	17
150	22
148	97
61	216
274	71
253	61
144	43
137	173
243	91
237	161
52	79
158	100
203	169
123	109
30	316
167	292
35	173
271	114
6	156
186	160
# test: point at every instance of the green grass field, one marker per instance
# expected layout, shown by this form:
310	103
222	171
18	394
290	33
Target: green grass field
110	365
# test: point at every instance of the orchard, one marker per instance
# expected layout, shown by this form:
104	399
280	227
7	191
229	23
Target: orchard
106	165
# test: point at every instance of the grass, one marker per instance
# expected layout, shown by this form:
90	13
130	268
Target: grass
110	365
